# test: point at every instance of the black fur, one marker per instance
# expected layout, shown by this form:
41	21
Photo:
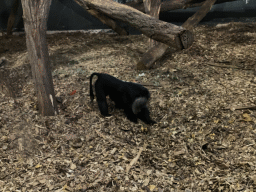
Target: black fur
131	97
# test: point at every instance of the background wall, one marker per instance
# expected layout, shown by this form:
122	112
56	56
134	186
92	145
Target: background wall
220	13
67	15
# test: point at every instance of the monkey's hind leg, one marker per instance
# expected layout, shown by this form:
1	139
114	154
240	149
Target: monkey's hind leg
101	100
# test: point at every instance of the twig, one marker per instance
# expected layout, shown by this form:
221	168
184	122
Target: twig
228	66
146	84
108	138
3	61
240	108
135	159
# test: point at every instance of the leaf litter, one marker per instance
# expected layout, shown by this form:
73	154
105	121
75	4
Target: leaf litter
204	139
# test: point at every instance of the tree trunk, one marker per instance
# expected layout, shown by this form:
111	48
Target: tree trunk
158	51
35	14
172	5
158	30
152	8
12	17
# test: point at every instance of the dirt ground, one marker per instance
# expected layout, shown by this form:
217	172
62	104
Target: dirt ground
201	98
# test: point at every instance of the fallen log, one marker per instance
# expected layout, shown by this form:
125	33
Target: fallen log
158	51
161	31
108	21
173	5
94	14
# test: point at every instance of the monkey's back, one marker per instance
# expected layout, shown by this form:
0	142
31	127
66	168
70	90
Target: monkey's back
119	90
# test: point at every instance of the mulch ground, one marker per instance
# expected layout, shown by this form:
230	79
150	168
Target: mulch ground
202	99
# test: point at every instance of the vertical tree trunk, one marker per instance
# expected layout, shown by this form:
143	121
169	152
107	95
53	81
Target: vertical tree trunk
12	16
152	8
35	14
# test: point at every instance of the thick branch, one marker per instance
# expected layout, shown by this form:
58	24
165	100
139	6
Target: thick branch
152	55
199	15
153	28
108	21
94	14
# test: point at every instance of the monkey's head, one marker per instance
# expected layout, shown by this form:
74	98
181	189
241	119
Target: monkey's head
138	104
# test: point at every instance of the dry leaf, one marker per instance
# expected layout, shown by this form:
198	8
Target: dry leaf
38	166
152	187
247	117
72	166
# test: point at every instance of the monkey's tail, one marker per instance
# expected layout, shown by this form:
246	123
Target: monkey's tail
91	89
138	104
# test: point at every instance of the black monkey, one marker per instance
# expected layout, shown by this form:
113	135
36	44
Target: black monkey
131	97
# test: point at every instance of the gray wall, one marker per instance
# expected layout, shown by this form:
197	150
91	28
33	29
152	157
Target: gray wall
220	13
67	15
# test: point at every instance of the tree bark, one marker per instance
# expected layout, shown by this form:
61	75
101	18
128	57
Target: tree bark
13	14
199	15
158	51
104	19
172	5
151	56
109	22
152	8
158	30
35	14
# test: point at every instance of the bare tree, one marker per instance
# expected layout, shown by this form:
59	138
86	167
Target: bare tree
35	14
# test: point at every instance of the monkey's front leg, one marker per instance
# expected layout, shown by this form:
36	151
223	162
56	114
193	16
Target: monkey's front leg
144	116
130	115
